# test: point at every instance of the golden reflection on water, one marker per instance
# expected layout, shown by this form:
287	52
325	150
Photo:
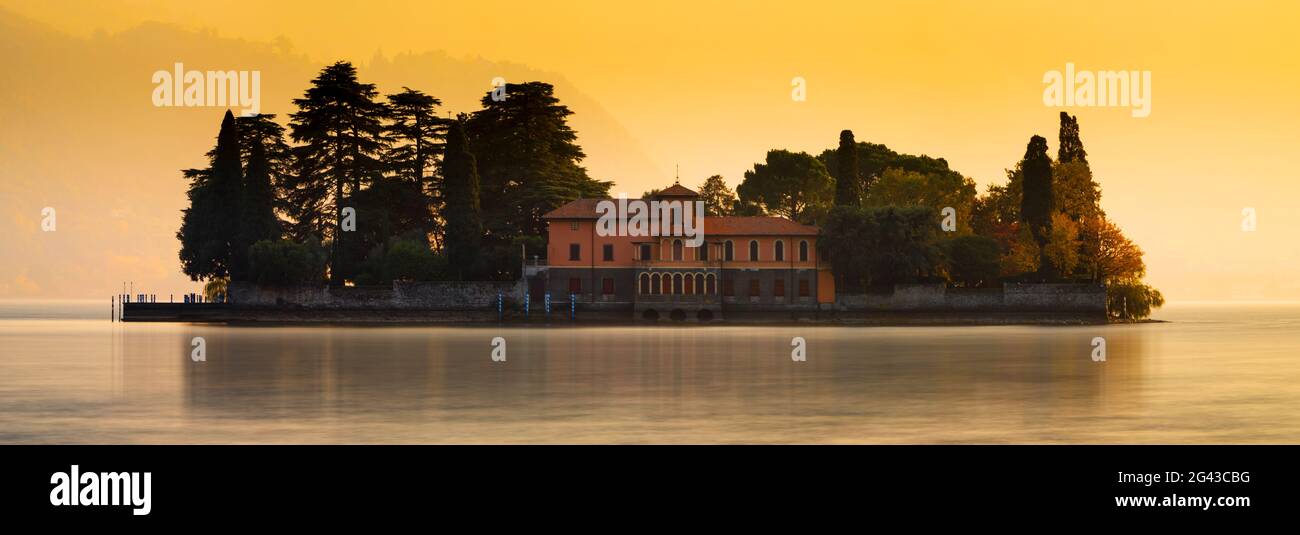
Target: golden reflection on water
1215	375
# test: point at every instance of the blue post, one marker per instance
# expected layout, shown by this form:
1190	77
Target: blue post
527	298
573	307
498	306
548	304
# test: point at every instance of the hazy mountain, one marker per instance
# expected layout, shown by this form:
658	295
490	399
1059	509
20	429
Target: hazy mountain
79	133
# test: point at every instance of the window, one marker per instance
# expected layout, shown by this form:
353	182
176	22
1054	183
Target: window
753	287
753	250
677	250
575	251
677	284
803	251
778	288
803	287
575	285
607	286
644	286
607	252
668	283
573	225
655	287
779	251
704	251
712	284
729	251
699	283
690	285
729	287
645	252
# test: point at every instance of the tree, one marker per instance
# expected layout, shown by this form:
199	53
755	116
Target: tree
1036	206
873	246
848	185
283	262
462	212
1071	147
528	159
973	260
1107	256
718	199
1062	247
873	159
210	225
340	126
417	136
257	221
793	185
935	191
1132	301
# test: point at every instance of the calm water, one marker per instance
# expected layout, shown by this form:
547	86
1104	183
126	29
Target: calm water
1219	373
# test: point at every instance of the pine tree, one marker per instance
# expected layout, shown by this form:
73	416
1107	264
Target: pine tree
341	128
462	212
848	187
528	158
719	200
279	155
417	136
210	225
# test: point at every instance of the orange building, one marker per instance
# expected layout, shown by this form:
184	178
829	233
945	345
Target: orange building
744	265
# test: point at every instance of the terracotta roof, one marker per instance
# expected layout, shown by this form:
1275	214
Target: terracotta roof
577	209
755	225
716	226
677	190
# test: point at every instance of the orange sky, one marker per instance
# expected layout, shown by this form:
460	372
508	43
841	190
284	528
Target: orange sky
703	85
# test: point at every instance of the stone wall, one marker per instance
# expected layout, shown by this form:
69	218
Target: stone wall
402	295
1012	297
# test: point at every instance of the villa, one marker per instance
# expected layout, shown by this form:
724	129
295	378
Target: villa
744	265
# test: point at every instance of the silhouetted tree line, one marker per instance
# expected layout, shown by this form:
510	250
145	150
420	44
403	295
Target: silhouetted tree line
881	215
273	205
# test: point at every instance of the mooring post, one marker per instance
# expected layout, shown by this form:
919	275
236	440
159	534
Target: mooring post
548	304
112	309
499	312
526	299
573	307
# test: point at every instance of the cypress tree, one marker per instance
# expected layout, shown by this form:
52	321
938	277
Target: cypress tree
462	213
1036	204
210	225
1071	147
258	221
848	187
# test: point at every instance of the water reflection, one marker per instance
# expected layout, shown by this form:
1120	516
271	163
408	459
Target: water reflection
1212	376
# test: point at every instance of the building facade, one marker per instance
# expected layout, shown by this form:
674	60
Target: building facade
745	265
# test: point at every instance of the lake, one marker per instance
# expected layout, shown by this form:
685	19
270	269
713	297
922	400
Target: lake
1215	373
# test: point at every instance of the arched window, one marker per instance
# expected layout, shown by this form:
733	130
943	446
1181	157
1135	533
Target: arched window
654	284
689	288
711	284
779	251
753	250
677	284
644	286
729	251
703	251
699	283
677	250
803	251
668	283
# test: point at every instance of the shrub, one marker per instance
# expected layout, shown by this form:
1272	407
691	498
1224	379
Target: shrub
973	260
1132	300
283	262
